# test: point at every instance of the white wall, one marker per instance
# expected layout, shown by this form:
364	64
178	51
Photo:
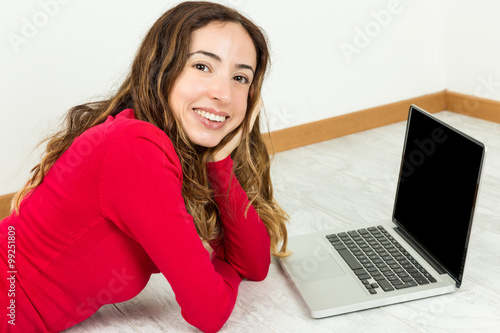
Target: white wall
472	47
329	58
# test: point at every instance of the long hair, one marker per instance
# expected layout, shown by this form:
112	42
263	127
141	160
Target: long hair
157	64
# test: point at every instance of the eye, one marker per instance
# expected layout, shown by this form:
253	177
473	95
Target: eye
201	67
241	79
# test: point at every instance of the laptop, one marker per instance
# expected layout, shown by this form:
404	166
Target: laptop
421	252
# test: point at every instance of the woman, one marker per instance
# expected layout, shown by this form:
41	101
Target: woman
135	184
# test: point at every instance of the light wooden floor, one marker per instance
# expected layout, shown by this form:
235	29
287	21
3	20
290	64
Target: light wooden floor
341	182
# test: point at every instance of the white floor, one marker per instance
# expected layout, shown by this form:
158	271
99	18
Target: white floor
340	182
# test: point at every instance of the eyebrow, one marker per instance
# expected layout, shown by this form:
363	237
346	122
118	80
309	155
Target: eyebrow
217	58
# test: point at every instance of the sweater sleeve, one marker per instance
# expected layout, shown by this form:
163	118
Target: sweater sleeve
245	243
140	191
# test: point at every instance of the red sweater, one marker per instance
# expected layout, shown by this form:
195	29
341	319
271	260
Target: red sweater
108	214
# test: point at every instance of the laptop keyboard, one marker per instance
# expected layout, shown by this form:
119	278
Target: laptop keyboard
378	260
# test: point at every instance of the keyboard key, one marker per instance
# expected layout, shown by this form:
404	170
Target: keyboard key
406	285
360	271
349	259
429	277
421	280
364	277
385	285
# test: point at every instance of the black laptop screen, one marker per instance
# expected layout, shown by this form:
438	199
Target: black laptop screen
437	188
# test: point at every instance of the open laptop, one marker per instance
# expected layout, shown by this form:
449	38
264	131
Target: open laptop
421	253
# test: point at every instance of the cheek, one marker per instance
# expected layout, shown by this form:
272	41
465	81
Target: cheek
185	90
176	96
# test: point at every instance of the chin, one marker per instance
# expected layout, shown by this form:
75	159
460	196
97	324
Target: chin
206	142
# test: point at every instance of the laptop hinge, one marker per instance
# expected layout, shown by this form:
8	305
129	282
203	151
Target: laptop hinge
433	262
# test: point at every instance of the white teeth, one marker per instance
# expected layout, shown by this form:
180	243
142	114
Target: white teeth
210	116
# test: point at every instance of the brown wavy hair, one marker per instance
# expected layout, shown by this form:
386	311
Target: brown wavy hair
157	64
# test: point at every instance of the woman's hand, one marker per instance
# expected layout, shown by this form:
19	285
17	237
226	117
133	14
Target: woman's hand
236	140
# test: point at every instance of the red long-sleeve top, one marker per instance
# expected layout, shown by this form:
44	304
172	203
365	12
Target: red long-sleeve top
107	215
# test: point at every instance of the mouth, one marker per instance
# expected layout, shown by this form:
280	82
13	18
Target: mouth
211	116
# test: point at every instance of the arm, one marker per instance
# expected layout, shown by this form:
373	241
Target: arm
245	243
140	190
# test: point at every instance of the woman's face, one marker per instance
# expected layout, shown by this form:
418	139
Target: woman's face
209	98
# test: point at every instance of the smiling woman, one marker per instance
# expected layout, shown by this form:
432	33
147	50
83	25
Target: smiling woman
209	99
134	185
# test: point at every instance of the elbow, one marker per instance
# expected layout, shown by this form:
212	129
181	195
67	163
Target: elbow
208	324
258	271
211	328
261	273
258	276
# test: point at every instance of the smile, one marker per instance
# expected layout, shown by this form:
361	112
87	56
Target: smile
210	116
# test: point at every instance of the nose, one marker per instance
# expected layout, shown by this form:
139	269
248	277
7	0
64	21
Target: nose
220	90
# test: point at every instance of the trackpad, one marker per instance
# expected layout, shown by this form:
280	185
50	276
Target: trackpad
318	265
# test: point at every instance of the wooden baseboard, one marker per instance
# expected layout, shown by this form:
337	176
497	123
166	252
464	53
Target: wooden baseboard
350	123
473	106
5	205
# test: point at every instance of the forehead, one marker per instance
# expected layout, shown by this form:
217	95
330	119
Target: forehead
230	41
